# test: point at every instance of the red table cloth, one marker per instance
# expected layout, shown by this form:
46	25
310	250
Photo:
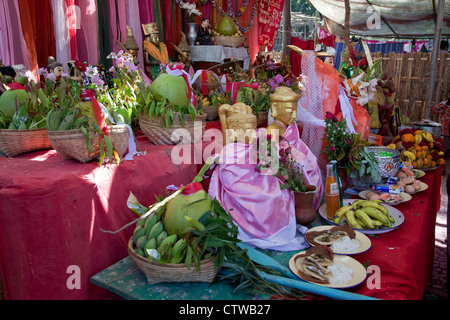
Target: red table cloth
405	255
52	210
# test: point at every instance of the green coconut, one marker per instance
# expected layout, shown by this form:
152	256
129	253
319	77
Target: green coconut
172	88
8	101
226	26
193	206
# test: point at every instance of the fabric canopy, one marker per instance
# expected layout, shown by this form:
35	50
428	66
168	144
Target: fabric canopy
384	18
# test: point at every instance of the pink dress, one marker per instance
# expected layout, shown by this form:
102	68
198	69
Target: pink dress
264	213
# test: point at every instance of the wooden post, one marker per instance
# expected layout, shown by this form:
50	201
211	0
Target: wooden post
434	56
347	28
286	28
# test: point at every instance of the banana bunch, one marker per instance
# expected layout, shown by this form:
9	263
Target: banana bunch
65	119
206	102
365	214
151	241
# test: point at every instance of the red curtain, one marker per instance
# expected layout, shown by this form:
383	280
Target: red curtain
37	24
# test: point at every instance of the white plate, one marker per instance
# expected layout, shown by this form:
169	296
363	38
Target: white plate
358	277
420	173
399	218
423	187
364	241
405	196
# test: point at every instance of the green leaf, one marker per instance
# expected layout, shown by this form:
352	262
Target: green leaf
102	153
109	147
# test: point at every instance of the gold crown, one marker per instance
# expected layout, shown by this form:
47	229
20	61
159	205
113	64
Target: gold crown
150	28
284	94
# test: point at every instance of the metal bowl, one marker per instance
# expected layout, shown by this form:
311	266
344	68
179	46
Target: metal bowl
387	166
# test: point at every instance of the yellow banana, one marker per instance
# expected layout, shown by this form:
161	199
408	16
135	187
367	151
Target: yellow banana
360	214
373	204
356	204
428	136
351	220
378	215
411	156
340	213
418	138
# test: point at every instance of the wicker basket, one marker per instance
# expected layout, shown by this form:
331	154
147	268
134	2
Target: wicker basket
15	142
160	273
71	144
229	41
212	113
158	135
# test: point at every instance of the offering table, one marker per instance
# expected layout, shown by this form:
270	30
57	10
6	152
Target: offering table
404	257
52	212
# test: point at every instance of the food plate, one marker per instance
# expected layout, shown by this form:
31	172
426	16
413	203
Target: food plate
399	218
429	169
358	276
423	187
405	196
364	241
418	173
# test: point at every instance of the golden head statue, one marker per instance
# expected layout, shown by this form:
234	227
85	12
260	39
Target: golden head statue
284	109
238	123
152	32
131	44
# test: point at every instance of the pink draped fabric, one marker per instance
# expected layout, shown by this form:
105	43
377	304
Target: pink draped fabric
303	154
134	21
264	213
146	13
13	49
87	35
118	22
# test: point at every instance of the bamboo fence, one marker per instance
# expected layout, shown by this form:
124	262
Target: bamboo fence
411	76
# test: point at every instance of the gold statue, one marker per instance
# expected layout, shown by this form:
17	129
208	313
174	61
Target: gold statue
155	52
131	45
284	109
238	123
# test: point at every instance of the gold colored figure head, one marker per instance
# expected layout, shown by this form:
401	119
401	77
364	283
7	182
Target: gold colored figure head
152	32
238	123
284	109
131	44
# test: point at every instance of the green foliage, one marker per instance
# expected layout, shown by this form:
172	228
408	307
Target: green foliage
164	109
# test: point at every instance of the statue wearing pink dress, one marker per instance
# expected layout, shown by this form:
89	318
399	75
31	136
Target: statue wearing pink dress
264	213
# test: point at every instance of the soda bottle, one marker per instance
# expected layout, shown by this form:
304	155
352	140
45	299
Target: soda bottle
341	193
331	193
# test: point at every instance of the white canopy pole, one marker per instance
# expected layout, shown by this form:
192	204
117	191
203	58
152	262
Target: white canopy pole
434	56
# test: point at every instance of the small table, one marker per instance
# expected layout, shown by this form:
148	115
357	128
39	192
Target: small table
218	54
126	280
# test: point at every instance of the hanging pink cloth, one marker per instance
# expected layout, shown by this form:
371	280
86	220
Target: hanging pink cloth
118	22
72	20
134	21
13	49
87	34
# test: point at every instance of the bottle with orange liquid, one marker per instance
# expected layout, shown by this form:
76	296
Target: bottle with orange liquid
331	193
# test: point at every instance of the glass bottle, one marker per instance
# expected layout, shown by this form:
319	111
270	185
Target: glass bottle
331	193
395	122
339	182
